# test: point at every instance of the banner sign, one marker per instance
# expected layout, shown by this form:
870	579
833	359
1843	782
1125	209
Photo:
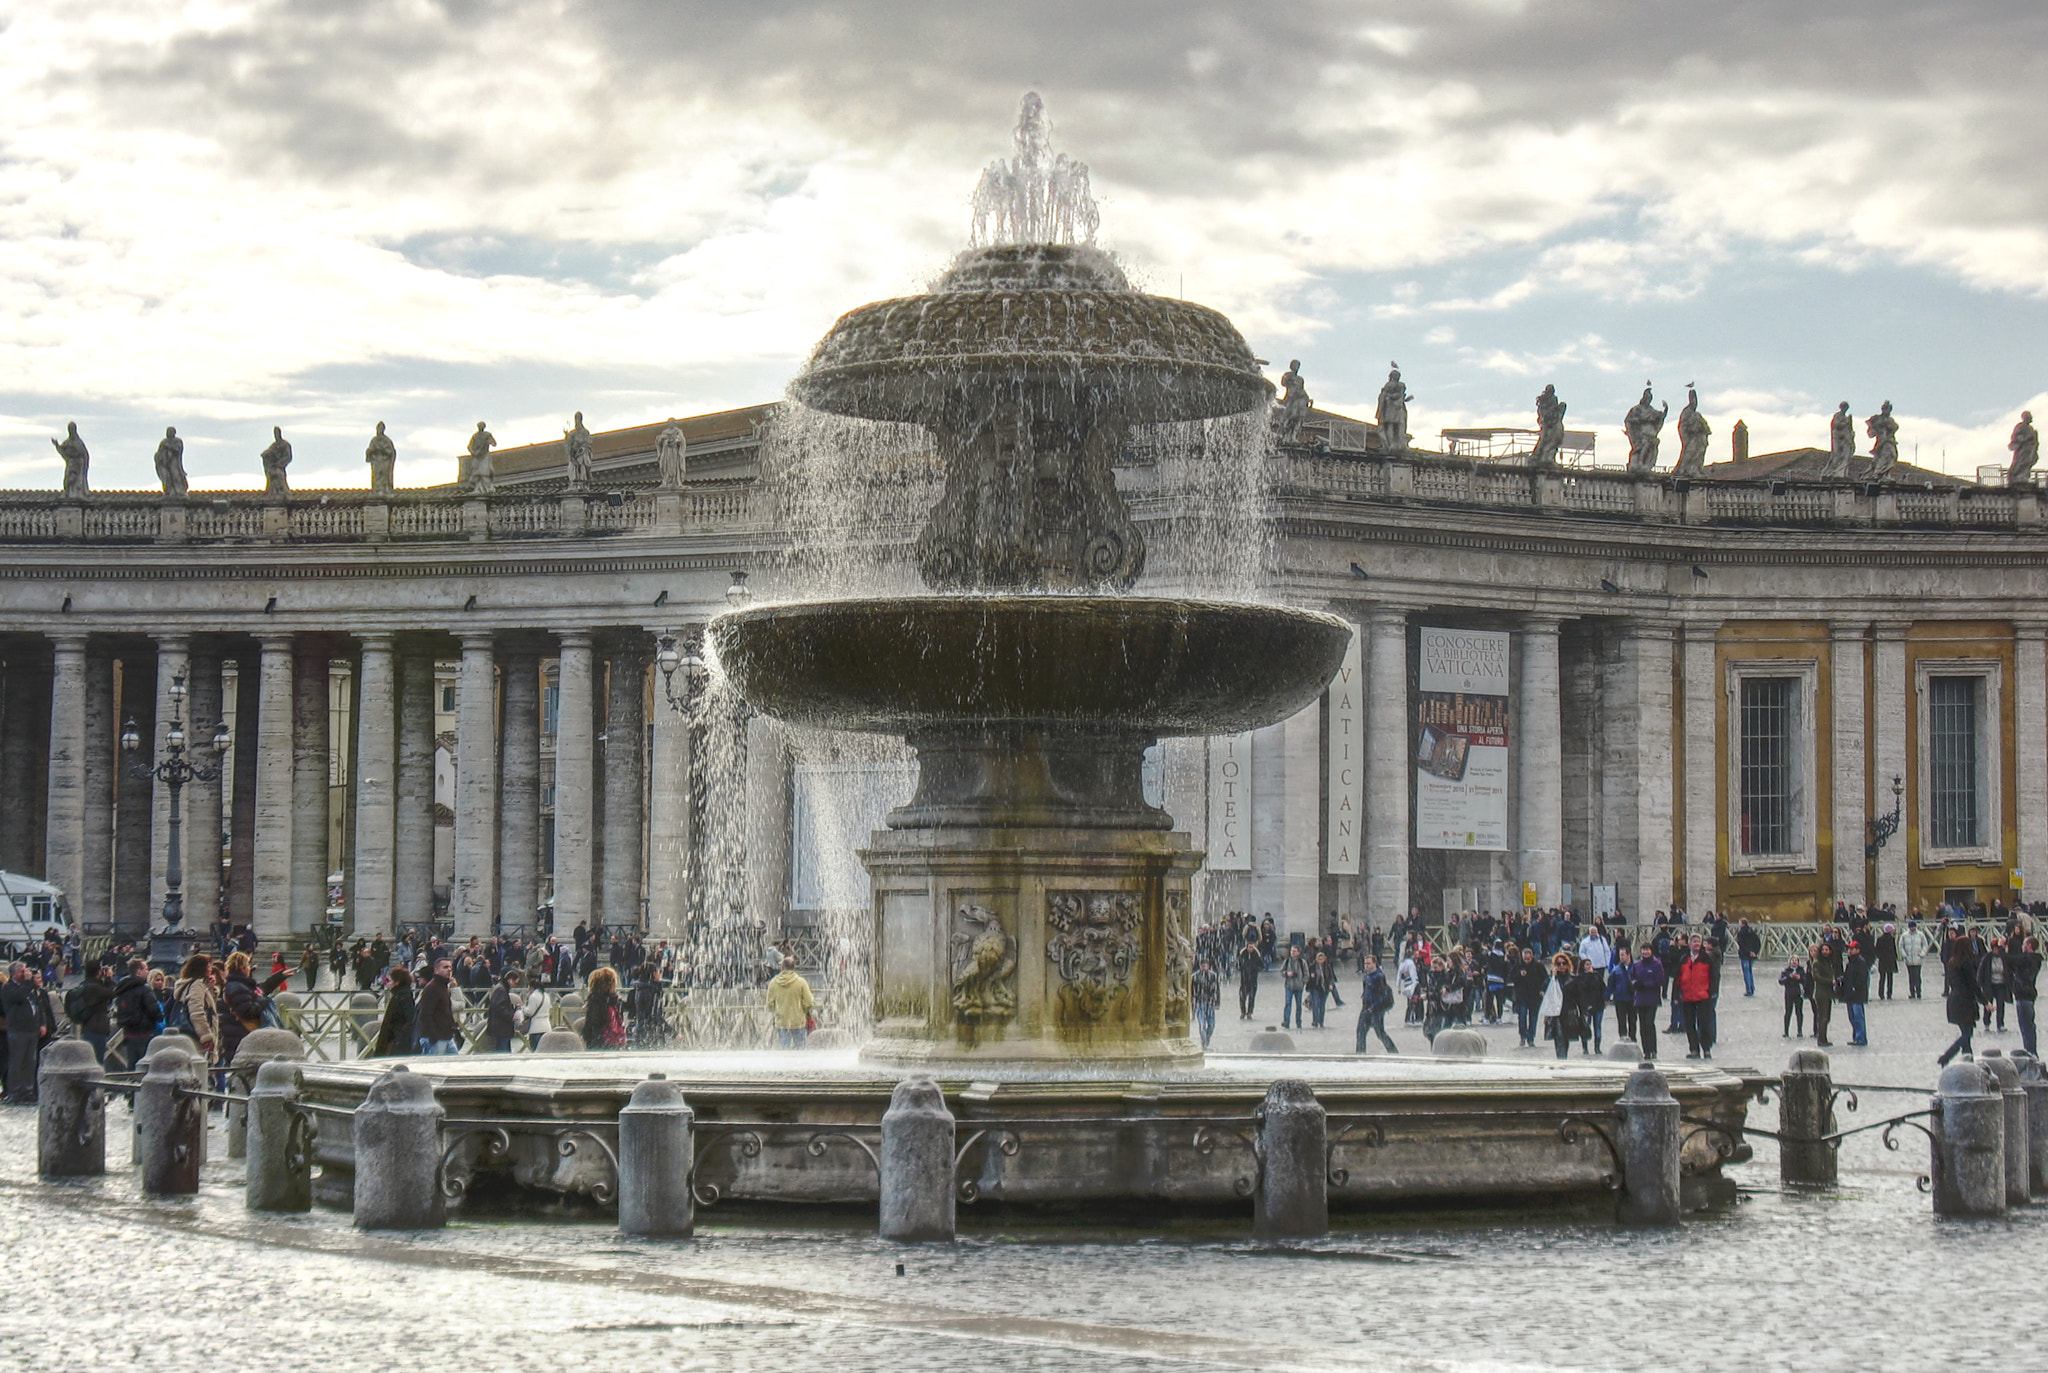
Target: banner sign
1230	803
1345	821
1461	740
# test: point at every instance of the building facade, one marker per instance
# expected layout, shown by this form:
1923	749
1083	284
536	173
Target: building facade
1579	687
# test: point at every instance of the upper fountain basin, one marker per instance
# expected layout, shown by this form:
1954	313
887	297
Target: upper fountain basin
1091	663
1056	318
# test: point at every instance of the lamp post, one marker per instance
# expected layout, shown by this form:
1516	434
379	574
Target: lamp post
1883	827
174	771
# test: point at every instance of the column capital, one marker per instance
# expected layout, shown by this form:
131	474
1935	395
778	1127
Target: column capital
175	641
573	638
1892	631
1382	618
382	640
1637	628
478	640
1840	630
69	642
1702	631
2029	628
1541	622
277	643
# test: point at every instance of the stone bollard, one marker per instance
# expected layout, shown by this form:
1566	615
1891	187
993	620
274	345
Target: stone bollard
365	1015
197	1071
257	1048
1292	1201
71	1112
2018	1150
1806	1115
1459	1042
561	1042
2034	1080
279	1173
655	1157
398	1155
917	1163
1968	1147
1271	1040
1648	1141
172	1125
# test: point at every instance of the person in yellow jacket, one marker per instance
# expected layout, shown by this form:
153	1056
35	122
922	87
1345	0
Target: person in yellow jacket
790	1002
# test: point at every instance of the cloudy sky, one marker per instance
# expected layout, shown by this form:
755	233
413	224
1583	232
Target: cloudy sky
323	213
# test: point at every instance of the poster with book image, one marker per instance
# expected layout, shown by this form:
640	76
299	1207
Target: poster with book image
1461	740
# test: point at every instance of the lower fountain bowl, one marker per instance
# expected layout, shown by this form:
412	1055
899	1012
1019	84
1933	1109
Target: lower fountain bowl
1143	665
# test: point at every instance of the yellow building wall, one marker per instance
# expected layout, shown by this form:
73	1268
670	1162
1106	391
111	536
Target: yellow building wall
1797	895
1960	639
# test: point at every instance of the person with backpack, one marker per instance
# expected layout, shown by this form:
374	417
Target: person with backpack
501	1014
137	1011
86	1006
1374	1001
245	1005
194	1008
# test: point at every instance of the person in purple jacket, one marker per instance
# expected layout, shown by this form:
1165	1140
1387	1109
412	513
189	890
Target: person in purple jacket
1647	977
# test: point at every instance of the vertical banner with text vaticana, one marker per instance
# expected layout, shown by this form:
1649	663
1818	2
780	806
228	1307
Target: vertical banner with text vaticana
1230	803
1344	821
1461	740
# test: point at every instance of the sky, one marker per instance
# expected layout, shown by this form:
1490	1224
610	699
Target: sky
320	214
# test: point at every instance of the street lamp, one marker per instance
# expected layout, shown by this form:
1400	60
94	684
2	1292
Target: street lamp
1883	827
674	657
175	771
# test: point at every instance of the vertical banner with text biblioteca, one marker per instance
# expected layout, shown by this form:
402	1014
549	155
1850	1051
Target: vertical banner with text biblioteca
1344	826
1230	803
1461	740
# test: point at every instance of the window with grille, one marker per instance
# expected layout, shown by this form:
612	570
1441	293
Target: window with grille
1954	708
1770	781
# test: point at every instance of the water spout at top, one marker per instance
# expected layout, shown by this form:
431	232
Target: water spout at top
1038	196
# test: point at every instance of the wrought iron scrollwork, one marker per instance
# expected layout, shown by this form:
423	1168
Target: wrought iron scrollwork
1003	1141
565	1145
1368	1132
454	1181
1573	1129
747	1142
1207	1137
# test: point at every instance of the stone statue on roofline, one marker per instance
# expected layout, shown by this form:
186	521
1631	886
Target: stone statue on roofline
670	449
1549	429
1841	444
576	440
382	455
482	477
1294	403
76	460
276	459
1884	442
170	463
2025	446
1645	425
1693	433
1393	413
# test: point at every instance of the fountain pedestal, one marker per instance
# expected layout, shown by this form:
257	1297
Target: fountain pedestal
1034	947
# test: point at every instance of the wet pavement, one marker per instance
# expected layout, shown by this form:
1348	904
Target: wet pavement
1858	1277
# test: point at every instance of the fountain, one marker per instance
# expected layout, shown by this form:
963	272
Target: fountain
1031	948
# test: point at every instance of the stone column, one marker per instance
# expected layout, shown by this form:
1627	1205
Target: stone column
272	874
376	785
202	798
242	824
98	838
24	763
173	660
64	849
311	700
1539	783
473	901
1386	774
519	818
574	777
135	847
2030	745
1890	700
1702	796
668	819
1851	789
412	900
1637	775
625	786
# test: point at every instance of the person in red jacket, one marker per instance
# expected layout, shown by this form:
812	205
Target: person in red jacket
1697	975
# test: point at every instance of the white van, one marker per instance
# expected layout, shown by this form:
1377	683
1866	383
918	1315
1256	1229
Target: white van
29	909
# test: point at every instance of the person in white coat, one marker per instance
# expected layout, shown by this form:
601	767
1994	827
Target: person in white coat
532	1019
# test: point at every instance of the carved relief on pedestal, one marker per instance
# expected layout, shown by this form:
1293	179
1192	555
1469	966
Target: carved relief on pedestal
1094	947
984	967
1180	960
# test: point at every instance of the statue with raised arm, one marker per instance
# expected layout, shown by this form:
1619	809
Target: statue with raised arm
1884	442
76	460
276	459
1393	413
670	448
1693	433
1294	403
577	442
1645	425
482	477
382	455
1549	429
1841	444
170	463
2026	451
